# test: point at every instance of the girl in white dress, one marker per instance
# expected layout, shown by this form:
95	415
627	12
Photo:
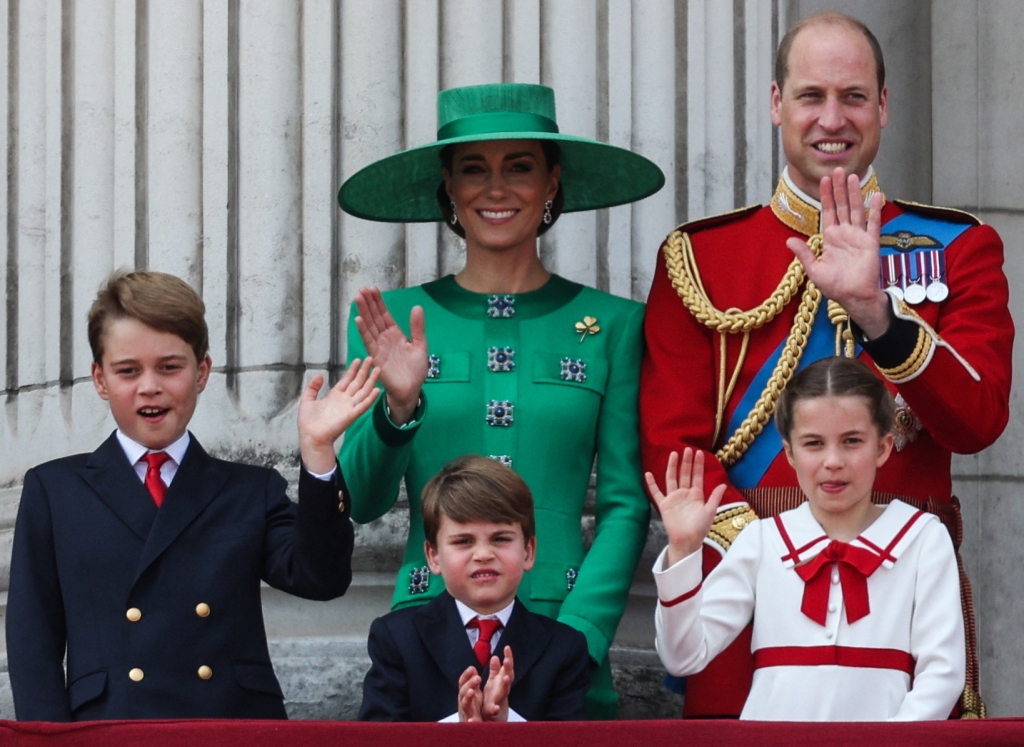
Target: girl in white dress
855	606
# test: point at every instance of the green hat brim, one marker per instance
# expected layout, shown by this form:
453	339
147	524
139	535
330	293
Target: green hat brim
403	188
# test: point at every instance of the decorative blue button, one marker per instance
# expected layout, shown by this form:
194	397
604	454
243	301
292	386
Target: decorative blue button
570	578
501	306
499	412
501	360
574	369
419	580
503	458
433	366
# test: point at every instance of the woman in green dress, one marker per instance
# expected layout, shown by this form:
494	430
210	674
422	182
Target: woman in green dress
522	365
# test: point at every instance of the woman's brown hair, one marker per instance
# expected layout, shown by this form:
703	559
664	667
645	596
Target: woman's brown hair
553	157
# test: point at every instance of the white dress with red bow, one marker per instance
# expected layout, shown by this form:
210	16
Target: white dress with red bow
866	631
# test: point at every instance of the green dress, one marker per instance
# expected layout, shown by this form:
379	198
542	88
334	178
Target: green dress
544	381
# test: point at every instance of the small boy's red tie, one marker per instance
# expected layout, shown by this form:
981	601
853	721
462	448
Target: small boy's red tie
482	649
154	461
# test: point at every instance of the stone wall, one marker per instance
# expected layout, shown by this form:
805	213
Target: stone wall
208	137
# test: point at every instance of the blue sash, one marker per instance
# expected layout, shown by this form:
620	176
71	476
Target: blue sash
749	470
751	467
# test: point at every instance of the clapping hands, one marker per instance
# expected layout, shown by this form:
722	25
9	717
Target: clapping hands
491	702
685	514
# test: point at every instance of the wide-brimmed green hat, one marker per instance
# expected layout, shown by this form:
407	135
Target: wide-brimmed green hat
403	187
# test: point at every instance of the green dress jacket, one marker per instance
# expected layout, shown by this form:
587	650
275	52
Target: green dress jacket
545	381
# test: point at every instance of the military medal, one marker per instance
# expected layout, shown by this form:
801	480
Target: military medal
937	288
891	275
915	293
918	268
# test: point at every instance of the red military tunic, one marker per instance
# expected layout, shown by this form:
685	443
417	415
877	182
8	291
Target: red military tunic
954	379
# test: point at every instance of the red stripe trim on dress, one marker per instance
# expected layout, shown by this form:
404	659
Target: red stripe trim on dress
842	656
887	552
794	553
683	598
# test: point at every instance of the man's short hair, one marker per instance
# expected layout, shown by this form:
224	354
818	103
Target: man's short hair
826	18
475	488
158	300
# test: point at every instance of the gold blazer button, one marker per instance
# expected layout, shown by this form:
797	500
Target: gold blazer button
136	675
134	614
205	672
203	609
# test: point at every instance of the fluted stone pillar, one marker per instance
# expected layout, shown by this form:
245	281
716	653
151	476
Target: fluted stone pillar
208	138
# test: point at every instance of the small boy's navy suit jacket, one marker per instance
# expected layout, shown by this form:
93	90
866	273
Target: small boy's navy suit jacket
417	655
159	609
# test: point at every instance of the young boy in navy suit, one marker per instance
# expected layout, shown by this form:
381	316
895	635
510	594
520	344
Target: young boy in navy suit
440	661
142	561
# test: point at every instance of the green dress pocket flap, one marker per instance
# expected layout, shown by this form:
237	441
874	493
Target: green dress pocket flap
552	581
566	370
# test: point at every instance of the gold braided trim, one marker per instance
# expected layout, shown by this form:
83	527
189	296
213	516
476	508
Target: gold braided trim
786	366
971	704
796	213
917	359
728	525
845	344
685	277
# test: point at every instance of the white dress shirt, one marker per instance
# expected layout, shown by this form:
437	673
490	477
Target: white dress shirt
176	451
467	614
135	451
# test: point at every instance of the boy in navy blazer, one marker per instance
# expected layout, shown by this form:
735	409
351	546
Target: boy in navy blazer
142	561
476	653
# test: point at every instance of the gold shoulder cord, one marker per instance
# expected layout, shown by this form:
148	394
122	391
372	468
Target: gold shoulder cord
685	277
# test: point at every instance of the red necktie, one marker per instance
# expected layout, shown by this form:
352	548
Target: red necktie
154	460
855	565
482	649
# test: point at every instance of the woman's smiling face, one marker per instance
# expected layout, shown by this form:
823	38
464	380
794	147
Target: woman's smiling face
499	188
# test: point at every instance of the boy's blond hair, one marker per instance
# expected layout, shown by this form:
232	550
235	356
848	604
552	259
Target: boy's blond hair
475	488
158	300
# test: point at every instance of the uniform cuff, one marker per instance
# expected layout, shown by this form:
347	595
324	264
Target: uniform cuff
895	347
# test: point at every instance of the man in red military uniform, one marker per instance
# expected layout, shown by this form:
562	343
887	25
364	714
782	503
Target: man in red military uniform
741	301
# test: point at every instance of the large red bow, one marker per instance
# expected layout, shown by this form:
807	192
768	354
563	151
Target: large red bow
855	565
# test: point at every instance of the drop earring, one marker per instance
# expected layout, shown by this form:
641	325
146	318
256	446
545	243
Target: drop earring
455	218
547	212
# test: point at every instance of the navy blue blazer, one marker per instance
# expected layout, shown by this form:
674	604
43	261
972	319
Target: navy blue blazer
159	610
417	655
